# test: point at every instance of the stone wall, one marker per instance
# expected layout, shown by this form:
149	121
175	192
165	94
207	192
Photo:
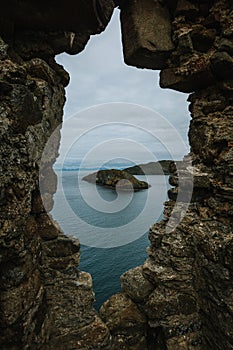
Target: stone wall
184	289
181	298
45	302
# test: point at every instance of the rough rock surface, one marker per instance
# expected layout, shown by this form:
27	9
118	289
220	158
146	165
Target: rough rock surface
190	265
146	33
45	301
181	297
76	16
125	321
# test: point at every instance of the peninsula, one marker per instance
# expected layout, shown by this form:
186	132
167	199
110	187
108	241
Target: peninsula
162	167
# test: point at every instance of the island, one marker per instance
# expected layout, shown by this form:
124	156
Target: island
162	167
116	179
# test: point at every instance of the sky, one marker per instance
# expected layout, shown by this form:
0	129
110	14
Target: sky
117	111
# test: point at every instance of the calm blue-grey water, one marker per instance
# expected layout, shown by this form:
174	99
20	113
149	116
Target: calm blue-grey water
112	228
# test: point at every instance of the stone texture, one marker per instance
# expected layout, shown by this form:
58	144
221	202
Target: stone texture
202	53
125	321
134	284
190	77
189	260
73	16
146	33
46	303
181	297
70	293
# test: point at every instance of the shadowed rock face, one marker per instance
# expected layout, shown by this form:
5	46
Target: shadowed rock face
189	305
89	16
181	297
146	33
46	303
49	28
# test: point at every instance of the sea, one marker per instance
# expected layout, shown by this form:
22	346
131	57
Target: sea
112	226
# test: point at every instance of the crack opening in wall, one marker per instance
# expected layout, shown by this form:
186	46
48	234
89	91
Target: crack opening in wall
181	297
113	108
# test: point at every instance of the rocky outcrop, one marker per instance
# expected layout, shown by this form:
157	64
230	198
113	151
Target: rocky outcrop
187	299
89	16
181	297
45	302
125	321
146	37
40	283
45	29
201	58
116	179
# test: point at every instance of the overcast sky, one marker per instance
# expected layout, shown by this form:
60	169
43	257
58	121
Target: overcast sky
99	76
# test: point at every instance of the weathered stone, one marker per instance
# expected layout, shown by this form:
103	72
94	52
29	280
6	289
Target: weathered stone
13	272
94	335
74	16
17	301
45	302
225	45
25	108
222	65
125	321
134	284
184	292
163	303
47	228
186	8
72	294
180	329
182	343
146	34
185	44
61	247
182	79
38	68
203	39
40	44
61	253
164	275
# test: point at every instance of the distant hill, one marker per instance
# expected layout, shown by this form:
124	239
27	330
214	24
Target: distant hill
161	167
116	179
